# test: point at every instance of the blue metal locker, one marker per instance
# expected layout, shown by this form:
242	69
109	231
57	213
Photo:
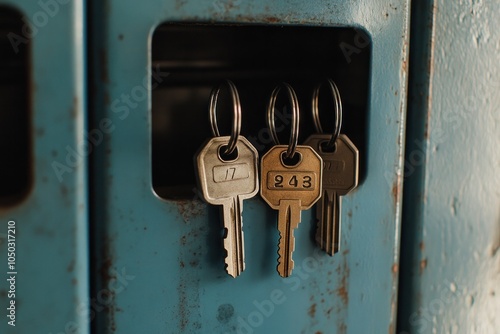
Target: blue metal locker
102	226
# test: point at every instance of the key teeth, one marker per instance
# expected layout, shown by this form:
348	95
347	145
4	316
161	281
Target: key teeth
321	243
237	271
233	272
281	262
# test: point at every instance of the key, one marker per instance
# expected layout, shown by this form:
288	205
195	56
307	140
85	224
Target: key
340	176
290	189
228	183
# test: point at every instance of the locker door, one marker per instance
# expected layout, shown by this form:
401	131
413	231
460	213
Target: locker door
451	231
158	260
43	214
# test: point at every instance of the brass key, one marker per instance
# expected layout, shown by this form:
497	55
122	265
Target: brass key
290	189
290	180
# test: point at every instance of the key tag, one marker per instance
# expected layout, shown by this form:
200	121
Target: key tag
340	172
227	175
290	180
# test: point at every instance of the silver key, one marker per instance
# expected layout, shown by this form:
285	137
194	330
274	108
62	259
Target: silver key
340	176
290	189
228	183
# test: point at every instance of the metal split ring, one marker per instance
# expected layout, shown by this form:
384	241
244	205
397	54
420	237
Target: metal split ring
294	103
337	108
235	130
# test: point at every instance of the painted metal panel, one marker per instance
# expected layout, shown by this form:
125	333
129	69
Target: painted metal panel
158	257
51	222
451	230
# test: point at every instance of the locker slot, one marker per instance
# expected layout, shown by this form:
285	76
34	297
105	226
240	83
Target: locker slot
256	57
15	137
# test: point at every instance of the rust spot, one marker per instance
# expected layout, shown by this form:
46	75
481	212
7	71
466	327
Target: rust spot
106	276
183	312
423	265
182	264
395	192
318	332
312	311
271	19
421	245
260	19
145	228
349	213
343	294
395	271
54	153
342	290
194	263
120	37
190	209
404	66
74	281
3	293
342	327
183	240
391	328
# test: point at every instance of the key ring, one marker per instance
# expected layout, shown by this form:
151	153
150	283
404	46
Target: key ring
235	131
294	102
338	111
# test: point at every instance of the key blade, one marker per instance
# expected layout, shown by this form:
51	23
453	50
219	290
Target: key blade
288	220
328	217
233	237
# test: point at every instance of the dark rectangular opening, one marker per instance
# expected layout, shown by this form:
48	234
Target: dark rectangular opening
15	139
256	58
